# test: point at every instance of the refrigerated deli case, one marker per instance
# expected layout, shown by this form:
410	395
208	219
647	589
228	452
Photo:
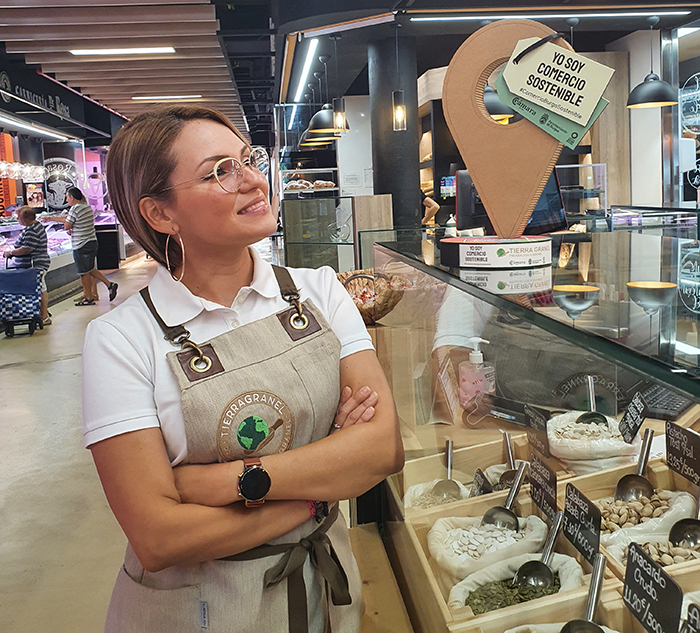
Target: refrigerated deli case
539	349
113	246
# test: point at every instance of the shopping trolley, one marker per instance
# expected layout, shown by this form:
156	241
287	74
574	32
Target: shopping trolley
20	299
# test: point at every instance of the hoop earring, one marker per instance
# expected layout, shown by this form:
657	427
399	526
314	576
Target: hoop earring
167	259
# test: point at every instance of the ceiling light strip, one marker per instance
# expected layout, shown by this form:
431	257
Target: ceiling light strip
154	50
546	16
33	128
166	97
310	54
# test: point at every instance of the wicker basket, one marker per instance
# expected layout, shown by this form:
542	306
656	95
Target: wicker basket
385	290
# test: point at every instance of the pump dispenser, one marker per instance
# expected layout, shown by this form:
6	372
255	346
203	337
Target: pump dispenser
474	376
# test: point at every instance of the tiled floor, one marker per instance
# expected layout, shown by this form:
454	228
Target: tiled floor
60	546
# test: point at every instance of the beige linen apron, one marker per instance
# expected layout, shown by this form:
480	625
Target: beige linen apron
264	388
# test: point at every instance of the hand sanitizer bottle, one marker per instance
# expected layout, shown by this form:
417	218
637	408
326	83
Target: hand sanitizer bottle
474	376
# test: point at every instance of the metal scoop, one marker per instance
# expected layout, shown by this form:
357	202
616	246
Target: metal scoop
448	488
686	532
587	625
536	573
508	477
632	487
592	416
503	516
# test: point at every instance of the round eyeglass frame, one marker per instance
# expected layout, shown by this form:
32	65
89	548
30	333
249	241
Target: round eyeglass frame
258	160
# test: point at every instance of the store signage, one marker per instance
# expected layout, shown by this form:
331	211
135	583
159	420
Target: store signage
62	174
652	596
537	429
559	80
683	452
480	485
490	252
543	486
693	619
634	417
561	128
47	101
581	523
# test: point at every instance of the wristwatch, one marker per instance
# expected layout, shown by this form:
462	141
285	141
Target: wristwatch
253	482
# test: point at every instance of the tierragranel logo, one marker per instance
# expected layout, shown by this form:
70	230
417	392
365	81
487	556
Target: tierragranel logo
6	86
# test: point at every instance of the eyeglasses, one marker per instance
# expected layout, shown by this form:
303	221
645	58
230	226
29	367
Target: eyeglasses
228	172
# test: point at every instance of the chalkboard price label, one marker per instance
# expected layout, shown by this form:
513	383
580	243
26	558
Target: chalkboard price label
537	429
652	596
582	523
543	486
633	418
693	619
683	452
480	485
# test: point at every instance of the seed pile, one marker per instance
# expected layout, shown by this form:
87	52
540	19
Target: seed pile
572	430
429	500
475	541
501	593
623	514
666	554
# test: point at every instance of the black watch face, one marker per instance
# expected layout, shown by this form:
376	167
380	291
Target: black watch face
254	484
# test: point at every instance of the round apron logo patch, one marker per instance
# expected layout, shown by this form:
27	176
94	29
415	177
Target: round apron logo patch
255	423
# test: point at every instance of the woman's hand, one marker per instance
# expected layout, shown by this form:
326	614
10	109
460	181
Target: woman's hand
354	408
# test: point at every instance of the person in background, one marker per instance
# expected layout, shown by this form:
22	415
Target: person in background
80	225
431	208
31	251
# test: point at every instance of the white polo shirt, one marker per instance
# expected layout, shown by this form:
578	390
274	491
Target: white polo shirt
125	348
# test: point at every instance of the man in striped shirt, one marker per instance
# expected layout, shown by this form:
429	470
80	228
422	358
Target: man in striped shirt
80	224
31	251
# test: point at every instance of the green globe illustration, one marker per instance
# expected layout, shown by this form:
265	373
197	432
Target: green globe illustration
252	431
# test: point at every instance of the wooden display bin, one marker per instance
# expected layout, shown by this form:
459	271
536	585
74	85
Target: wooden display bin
611	612
602	485
465	463
419	575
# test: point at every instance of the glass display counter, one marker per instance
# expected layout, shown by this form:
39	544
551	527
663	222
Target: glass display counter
318	232
619	307
668	222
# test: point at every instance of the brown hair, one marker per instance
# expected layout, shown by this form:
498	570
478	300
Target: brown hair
27	213
139	165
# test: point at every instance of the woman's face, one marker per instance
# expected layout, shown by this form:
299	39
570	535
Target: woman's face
207	216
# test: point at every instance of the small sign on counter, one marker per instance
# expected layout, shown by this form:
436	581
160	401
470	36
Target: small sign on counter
652	596
543	486
582	523
634	417
683	452
537	429
480	485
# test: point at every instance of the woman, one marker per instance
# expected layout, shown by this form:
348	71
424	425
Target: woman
218	441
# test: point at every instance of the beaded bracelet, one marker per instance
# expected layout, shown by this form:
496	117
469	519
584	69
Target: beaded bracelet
318	510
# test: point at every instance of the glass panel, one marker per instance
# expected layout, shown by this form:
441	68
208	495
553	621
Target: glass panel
651	326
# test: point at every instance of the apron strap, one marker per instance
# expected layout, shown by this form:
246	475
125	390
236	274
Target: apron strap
177	334
291	567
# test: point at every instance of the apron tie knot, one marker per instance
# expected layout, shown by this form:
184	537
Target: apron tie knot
324	559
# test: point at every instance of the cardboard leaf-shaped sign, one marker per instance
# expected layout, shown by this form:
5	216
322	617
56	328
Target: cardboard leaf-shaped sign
509	164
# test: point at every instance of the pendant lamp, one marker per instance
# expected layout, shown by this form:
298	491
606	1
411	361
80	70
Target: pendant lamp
322	122
498	110
652	92
307	143
398	99
340	123
398	107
